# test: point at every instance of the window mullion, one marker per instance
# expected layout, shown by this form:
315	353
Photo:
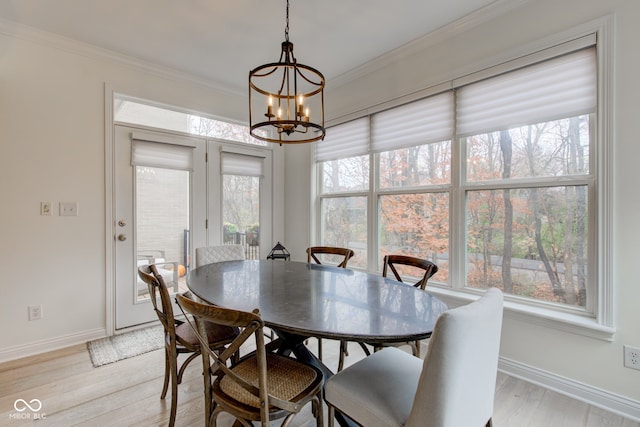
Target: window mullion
373	248
457	220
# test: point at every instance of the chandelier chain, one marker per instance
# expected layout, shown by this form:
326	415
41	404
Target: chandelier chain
286	28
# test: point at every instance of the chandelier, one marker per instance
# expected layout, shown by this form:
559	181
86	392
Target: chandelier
286	99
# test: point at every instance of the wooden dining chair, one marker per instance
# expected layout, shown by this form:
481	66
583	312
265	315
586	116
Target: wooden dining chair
179	337
414	267
426	268
393	263
454	386
341	255
262	386
210	254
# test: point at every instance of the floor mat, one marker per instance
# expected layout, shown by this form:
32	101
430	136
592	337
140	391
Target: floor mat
118	347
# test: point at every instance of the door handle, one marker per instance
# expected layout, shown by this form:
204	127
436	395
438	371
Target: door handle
122	237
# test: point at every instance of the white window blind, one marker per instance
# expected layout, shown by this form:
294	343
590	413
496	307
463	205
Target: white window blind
346	140
241	164
420	122
557	88
161	155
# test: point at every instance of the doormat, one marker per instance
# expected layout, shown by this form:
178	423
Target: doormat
119	347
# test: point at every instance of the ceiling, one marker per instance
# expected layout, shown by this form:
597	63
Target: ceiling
220	41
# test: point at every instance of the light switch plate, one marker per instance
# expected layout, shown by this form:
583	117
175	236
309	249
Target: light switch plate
45	208
68	209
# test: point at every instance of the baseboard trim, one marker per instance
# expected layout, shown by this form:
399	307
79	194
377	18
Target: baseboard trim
43	346
600	398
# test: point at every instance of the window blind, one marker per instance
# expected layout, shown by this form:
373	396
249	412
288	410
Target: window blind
346	140
161	155
241	164
562	87
419	122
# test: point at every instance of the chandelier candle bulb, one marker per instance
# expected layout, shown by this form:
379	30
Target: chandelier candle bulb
270	107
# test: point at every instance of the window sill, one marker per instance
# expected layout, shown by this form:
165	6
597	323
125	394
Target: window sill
544	317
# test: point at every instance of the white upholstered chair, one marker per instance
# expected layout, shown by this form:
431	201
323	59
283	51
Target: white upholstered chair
454	386
210	254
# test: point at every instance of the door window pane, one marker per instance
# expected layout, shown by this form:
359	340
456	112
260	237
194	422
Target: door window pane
162	224
241	212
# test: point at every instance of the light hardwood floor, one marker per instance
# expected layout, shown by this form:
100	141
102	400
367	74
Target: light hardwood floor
127	393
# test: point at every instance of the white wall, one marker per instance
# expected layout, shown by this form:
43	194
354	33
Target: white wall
573	360
52	148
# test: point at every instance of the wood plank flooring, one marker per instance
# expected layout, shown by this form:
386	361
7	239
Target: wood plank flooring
127	393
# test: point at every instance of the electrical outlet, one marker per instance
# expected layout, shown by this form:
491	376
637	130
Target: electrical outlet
68	208
632	357
35	312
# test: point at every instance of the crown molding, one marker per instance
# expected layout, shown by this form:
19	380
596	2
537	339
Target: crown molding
66	44
487	13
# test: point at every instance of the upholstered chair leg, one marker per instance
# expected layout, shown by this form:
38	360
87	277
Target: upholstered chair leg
489	423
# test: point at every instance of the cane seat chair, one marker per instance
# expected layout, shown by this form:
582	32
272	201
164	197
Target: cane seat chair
262	386
426	268
178	336
453	386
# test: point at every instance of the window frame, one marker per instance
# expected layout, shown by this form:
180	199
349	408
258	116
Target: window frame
599	323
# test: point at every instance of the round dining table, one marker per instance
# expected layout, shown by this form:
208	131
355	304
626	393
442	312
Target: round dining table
299	300
312	300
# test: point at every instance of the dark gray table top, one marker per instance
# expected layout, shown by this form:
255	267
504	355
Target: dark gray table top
318	300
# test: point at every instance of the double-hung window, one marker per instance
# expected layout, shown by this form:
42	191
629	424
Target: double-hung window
493	179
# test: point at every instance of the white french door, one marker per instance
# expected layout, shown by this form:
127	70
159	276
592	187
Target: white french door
159	205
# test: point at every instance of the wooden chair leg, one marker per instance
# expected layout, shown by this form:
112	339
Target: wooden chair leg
184	365
167	369
415	348
331	413
174	392
318	409
341	354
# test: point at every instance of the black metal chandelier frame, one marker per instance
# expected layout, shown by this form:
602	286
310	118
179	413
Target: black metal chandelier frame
287	88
